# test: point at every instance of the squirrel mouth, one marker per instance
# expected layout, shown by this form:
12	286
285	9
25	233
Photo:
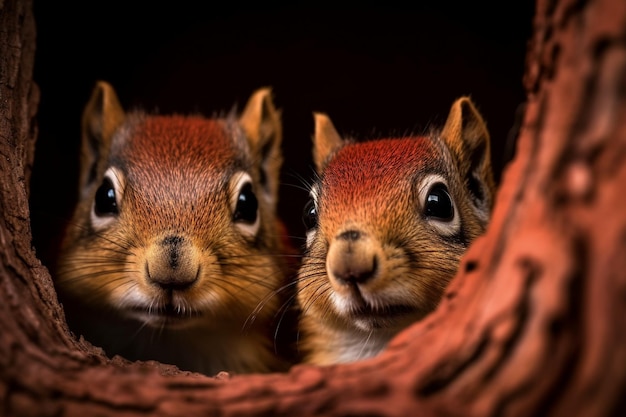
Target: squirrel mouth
385	318
362	308
365	311
380	315
369	311
165	314
393	310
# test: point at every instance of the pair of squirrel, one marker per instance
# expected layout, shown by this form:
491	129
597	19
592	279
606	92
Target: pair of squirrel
175	252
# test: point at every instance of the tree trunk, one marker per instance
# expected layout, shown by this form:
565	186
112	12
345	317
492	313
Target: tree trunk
533	323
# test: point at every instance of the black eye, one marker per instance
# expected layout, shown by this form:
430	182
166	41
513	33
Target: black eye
247	205
438	204
105	202
309	215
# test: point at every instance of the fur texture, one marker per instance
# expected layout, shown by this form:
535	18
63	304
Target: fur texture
389	220
174	252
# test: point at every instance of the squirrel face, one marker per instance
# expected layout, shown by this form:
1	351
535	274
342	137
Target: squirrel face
179	217
175	227
388	222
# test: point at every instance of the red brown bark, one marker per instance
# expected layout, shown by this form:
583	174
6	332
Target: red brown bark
531	325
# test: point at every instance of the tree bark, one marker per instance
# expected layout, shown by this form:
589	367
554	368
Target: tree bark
531	325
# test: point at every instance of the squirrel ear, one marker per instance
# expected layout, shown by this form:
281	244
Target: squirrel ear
467	137
326	140
101	117
261	122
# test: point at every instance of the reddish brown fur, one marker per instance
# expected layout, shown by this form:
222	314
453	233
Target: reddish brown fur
191	144
362	172
375	262
173	276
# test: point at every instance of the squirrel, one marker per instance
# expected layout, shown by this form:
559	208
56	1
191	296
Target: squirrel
175	252
387	223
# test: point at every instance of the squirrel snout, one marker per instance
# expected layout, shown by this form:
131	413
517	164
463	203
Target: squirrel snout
172	263
352	258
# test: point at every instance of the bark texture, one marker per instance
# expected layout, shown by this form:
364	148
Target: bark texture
533	324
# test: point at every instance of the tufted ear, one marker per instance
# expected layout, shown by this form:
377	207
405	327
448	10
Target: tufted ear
467	137
102	115
326	140
262	124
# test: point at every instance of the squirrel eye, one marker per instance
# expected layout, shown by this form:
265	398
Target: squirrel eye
247	205
438	204
105	201
309	215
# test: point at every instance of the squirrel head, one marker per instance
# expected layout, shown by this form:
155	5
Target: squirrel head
176	217
388	221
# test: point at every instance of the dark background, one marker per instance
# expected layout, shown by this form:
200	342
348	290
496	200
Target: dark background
375	70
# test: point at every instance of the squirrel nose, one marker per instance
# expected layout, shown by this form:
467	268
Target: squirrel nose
356	270
172	264
351	258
